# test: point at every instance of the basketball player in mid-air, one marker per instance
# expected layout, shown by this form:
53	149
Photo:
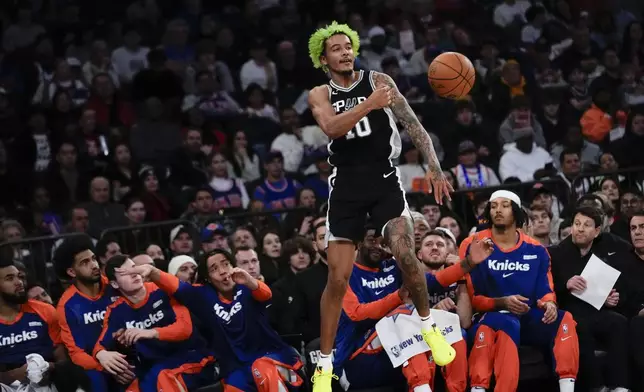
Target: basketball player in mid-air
358	110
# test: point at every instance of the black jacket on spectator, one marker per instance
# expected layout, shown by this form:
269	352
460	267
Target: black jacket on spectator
187	170
307	292
568	262
281	312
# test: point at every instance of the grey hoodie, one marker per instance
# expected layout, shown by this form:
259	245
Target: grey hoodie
508	133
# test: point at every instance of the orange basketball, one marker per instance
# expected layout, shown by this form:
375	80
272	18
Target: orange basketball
451	75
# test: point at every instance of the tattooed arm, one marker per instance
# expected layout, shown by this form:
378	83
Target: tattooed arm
407	118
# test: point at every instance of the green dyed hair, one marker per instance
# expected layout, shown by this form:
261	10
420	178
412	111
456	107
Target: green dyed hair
318	40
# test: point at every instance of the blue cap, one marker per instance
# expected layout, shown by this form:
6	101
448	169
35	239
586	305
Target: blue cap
210	230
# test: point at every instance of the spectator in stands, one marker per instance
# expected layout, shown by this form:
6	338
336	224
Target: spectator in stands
524	159
258	105
609	187
190	163
541	222
228	192
131	57
450	222
150	321
201	208
270	256
66	182
111	110
246	258
536	17
320	182
574	141
259	68
157	206
431	211
82	307
102	213
210	99
154	251
630	204
469	172
636	302
597	121
244	160
506	91
214	236
37	292
122	172
62	79
207	61
183	267
107	247
511	12
570	164
521	121
181	241
259	350
244	236
276	191
289	143
568	260
627	150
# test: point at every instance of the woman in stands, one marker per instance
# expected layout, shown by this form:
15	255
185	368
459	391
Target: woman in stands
251	355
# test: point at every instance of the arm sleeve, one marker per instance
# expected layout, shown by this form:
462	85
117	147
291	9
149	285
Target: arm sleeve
262	293
479	302
375	310
445	277
48	313
179	330
111	324
73	341
182	291
545	290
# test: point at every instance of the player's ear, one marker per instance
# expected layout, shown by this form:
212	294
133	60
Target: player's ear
70	272
114	285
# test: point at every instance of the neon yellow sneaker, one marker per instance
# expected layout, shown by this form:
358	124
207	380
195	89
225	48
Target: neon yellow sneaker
322	380
442	352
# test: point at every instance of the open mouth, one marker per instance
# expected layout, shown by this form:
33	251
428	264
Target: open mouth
347	61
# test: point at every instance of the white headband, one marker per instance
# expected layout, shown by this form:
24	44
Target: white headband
506	195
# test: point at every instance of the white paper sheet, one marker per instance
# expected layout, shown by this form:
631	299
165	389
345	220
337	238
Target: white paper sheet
600	280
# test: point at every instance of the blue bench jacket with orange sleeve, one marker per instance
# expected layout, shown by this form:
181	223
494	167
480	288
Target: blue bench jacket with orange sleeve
240	328
34	331
522	270
81	321
371	295
157	311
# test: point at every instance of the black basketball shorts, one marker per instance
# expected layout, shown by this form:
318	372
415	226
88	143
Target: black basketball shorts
358	195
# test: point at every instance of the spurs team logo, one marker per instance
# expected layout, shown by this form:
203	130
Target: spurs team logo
93	317
347	104
147	323
16	338
507	265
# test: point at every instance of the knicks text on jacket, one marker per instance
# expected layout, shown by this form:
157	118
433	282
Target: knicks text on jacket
92	317
507	265
224	314
379	283
147	323
17	338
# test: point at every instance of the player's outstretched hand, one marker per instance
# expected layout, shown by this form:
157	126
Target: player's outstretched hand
438	184
515	304
550	311
240	276
380	98
480	250
113	362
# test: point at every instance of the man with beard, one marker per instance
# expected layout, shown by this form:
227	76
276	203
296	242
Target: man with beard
375	290
434	255
513	293
81	309
26	327
169	354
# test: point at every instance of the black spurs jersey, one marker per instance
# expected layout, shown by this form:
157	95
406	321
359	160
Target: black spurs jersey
374	139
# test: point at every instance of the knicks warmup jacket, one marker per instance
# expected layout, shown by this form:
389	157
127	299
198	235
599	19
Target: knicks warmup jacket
240	328
157	311
34	331
523	270
371	295
81	321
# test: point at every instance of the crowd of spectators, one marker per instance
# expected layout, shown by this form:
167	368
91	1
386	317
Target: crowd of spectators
122	116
